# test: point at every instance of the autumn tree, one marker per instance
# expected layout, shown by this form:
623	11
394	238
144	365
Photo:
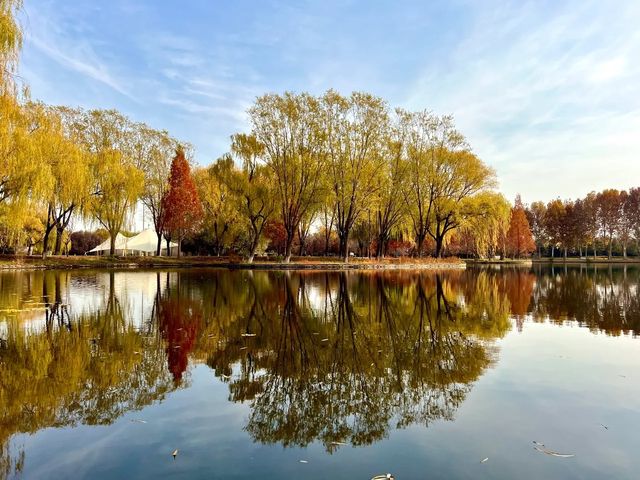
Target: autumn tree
442	175
554	222
390	209
609	215
153	151
536	218
68	164
118	185
181	204
591	219
354	128
519	238
487	228
627	220
632	210
290	128
252	187
222	219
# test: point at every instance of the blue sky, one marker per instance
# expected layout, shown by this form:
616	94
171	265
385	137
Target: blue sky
548	93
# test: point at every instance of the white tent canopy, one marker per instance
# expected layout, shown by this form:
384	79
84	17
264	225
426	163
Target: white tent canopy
145	242
121	240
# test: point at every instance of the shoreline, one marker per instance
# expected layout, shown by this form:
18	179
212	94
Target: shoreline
9	263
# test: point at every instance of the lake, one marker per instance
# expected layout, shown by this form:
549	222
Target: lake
478	373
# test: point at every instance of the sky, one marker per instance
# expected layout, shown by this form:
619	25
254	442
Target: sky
546	92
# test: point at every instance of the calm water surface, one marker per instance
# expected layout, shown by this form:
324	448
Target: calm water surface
278	375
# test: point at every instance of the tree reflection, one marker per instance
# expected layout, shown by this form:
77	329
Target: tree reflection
365	354
320	356
85	369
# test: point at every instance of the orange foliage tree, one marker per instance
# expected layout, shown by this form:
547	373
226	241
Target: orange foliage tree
519	239
181	204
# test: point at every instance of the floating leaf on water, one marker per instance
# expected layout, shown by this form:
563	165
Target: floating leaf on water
554	454
538	444
304	461
324	340
605	427
484	460
243	348
248	335
175	453
338	443
135	420
386	476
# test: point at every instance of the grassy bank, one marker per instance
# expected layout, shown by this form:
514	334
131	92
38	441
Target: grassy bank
297	263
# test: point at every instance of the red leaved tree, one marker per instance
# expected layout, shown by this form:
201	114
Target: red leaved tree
519	239
181	204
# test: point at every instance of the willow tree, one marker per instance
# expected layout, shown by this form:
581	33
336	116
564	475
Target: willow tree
355	128
458	175
220	208
68	166
390	208
290	128
118	186
21	174
153	151
487	223
417	129
252	186
10	43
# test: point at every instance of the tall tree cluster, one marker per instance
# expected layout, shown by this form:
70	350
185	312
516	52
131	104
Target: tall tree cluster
604	222
348	166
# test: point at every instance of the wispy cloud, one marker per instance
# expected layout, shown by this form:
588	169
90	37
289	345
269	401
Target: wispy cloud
46	32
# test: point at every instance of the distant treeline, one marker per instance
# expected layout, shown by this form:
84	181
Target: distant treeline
608	221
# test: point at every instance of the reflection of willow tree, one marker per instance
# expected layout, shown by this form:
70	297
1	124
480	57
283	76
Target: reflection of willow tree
90	369
602	299
341	357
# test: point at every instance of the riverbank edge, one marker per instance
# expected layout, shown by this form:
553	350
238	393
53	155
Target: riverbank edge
127	263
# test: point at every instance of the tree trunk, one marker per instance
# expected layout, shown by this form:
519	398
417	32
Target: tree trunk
58	244
168	247
552	250
439	244
252	249
565	254
287	252
45	241
112	244
159	247
624	249
344	245
419	244
179	247
610	246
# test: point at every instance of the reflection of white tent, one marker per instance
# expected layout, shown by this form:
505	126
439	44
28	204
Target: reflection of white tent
146	242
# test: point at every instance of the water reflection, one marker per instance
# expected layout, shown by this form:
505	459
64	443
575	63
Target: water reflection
339	358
